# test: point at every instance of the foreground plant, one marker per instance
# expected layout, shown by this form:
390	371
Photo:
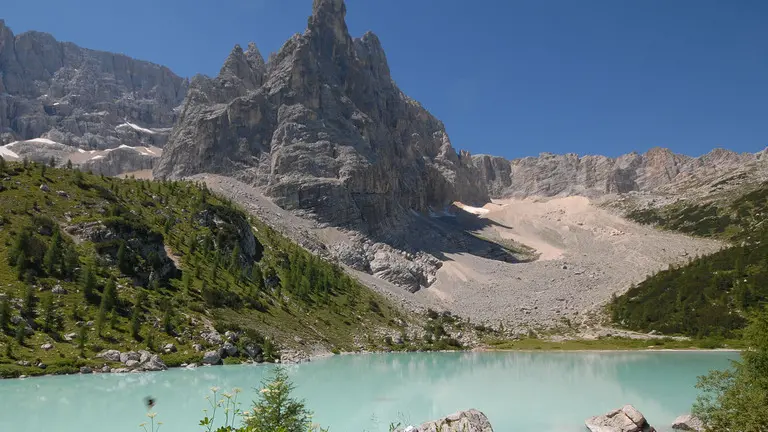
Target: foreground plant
737	399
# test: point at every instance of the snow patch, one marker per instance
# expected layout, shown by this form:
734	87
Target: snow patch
97	157
80	150
136	128
41	141
6	152
474	210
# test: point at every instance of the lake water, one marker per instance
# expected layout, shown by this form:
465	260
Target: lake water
518	391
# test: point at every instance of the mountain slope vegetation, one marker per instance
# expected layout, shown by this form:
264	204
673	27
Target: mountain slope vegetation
711	295
89	263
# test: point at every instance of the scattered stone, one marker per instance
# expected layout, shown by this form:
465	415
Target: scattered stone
688	422
46	347
44	187
23	363
120	370
62	194
86	370
169	348
144	356
231	336
211	358
106	369
69	337
132	363
192	366
42	365
58	290
197	347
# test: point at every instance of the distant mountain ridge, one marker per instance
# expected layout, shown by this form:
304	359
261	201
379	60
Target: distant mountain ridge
657	170
56	98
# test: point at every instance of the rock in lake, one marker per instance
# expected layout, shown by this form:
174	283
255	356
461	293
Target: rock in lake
211	358
688	423
625	419
463	421
85	370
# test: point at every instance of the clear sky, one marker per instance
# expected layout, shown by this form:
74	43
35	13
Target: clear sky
507	77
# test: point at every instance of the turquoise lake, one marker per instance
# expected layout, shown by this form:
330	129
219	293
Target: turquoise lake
518	391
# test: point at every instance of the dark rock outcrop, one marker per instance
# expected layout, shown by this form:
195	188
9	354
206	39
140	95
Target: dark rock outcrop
321	127
80	97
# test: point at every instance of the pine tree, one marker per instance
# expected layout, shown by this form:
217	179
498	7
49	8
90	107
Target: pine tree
192	244
2	165
52	162
28	304
234	259
48	313
122	259
109	296
136	315
5	313
21	332
42	170
82	339
101	319
187	281
88	282
53	254
168	319
70	262
69	164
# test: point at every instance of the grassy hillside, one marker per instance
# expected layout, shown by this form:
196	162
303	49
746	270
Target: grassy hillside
711	295
89	263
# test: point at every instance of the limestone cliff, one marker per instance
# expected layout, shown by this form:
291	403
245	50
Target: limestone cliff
321	127
82	98
658	170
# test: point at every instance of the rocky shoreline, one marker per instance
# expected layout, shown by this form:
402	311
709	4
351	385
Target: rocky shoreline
143	361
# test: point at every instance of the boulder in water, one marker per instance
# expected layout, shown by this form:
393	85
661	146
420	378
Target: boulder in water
625	419
688	422
463	421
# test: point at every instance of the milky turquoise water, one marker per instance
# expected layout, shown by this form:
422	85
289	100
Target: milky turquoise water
520	392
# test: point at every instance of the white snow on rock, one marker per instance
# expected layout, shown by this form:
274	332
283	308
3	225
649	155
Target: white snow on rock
6	152
135	127
473	210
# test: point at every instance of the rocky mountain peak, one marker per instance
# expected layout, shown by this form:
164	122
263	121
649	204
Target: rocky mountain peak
254	56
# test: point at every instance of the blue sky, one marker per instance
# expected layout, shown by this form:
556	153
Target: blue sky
512	78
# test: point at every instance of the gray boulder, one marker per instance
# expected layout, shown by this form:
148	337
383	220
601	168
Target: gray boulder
688	422
111	355
132	363
86	370
128	356
463	421
211	358
625	419
229	349
211	338
46	346
169	348
153	363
